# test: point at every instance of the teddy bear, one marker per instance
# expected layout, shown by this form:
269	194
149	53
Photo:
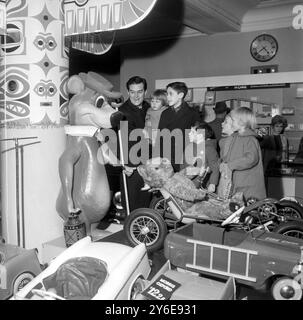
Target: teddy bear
158	173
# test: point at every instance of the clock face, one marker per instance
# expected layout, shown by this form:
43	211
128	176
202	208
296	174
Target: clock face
264	47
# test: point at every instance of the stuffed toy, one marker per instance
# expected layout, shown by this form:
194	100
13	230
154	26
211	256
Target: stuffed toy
84	184
158	173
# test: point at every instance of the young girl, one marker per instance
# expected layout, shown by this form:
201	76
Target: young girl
208	157
157	106
241	156
227	127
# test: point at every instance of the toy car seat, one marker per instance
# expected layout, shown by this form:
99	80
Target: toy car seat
78	278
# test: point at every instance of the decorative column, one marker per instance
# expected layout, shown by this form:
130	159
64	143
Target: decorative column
33	111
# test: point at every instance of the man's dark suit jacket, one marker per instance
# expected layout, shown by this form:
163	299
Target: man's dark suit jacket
136	120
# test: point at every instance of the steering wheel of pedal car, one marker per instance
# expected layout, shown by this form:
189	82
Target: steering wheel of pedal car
234	217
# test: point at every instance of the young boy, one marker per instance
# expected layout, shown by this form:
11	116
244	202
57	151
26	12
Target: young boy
178	116
157	105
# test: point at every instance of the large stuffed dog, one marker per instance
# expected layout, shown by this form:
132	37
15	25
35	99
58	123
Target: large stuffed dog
158	173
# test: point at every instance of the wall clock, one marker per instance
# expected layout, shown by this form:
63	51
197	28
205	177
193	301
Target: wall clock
264	47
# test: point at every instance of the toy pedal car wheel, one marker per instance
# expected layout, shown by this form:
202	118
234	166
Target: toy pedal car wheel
136	289
291	229
291	209
286	288
21	281
159	204
146	226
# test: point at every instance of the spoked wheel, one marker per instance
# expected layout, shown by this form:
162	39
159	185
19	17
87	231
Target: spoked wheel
266	210
286	288
146	226
21	281
158	203
291	209
291	229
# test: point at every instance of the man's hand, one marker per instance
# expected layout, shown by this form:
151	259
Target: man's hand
99	136
129	170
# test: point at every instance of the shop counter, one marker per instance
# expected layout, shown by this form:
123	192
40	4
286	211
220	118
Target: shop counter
286	182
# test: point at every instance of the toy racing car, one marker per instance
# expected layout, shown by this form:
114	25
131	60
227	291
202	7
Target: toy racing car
150	226
18	267
260	259
91	271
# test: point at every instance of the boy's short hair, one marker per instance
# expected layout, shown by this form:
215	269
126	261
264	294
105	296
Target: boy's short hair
246	116
136	80
160	94
279	119
209	132
179	87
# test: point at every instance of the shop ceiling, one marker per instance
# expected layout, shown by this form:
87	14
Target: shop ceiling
175	18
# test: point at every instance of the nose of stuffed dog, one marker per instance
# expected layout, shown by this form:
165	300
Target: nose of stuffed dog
115	118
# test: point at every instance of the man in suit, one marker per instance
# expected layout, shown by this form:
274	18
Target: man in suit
178	116
134	109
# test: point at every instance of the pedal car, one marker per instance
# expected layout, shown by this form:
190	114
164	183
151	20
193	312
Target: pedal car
286	207
18	267
263	260
150	226
91	270
169	284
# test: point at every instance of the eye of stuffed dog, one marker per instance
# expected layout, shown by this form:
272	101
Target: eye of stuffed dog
100	102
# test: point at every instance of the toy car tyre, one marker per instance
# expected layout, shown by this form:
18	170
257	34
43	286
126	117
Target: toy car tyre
146	226
291	229
285	288
21	281
292	209
137	287
158	203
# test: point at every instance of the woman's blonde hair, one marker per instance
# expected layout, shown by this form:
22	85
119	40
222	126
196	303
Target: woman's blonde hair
246	117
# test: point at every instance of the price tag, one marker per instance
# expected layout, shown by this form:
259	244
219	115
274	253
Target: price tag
161	289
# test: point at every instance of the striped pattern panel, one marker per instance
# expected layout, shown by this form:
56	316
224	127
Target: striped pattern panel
95	43
82	17
2	17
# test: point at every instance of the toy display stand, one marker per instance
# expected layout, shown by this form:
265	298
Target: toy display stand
20	214
53	248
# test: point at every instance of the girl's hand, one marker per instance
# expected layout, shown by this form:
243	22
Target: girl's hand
211	188
192	171
225	171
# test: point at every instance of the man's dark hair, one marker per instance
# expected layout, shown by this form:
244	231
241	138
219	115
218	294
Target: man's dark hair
136	80
179	87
